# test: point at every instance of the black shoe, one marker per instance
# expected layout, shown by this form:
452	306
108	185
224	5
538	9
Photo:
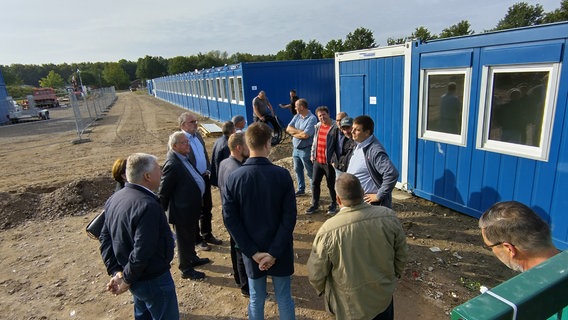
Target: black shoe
211	239
332	209
312	210
193	275
300	193
245	291
199	262
202	246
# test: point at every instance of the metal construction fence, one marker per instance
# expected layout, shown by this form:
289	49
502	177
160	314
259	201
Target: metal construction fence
88	108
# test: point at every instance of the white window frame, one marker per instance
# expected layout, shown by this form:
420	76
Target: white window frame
211	89
221	92
232	87
524	151
239	89
437	136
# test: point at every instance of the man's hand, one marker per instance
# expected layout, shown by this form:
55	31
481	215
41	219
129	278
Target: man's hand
370	197
117	285
264	259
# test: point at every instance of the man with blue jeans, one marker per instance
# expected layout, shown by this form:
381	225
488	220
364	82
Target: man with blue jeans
302	129
263	227
137	244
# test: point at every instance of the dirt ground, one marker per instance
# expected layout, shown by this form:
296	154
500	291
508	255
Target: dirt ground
50	189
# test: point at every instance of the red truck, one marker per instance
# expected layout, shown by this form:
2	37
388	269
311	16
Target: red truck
45	98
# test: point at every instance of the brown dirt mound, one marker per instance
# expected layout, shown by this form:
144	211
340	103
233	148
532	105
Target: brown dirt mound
74	199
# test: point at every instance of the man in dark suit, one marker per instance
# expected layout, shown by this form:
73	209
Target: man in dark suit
181	193
259	210
137	244
221	151
200	160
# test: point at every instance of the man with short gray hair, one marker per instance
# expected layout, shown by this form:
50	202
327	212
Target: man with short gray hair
357	256
137	244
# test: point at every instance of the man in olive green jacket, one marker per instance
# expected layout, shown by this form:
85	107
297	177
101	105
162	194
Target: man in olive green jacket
357	256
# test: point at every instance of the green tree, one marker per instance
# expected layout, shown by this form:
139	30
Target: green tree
313	50
180	64
421	33
294	50
521	14
151	67
361	38
462	28
52	80
332	47
129	67
558	14
10	78
393	41
116	76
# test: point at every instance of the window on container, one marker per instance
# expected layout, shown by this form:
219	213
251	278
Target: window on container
194	91
444	105
210	89
232	88
221	94
203	89
518	108
239	90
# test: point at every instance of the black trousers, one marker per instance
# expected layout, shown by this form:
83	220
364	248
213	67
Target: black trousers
204	228
321	170
239	271
185	234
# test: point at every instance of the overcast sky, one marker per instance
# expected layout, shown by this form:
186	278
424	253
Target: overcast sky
55	31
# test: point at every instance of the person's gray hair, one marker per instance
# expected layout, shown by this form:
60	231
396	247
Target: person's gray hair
174	138
137	165
238	118
182	117
349	190
517	224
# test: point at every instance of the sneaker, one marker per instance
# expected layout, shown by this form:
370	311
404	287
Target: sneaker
300	193
193	275
211	239
200	261
203	246
312	210
332	209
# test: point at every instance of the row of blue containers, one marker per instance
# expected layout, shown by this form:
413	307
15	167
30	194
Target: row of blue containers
507	138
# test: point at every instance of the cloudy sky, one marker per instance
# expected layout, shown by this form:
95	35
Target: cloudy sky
40	31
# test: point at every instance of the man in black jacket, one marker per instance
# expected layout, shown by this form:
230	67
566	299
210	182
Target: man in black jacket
137	244
181	194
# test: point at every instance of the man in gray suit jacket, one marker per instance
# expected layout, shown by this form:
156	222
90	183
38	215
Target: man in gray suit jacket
181	193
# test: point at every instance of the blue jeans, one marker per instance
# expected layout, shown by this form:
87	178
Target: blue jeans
155	298
302	160
283	293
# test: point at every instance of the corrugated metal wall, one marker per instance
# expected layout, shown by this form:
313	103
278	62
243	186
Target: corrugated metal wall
469	176
223	92
3	102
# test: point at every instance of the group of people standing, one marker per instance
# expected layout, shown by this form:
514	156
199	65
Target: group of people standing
259	212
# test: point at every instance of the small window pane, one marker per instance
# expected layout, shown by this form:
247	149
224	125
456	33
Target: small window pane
517	107
232	87
445	103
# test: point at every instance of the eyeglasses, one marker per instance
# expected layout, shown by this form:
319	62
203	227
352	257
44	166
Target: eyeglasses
182	142
490	247
193	121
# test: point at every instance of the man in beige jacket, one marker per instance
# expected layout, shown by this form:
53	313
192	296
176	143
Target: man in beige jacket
357	256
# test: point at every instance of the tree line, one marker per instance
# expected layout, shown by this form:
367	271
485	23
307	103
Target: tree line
20	79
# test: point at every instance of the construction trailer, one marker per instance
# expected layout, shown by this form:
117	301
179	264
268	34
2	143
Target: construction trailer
223	92
471	121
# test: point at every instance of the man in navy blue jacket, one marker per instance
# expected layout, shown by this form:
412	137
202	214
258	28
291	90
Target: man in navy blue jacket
259	209
137	245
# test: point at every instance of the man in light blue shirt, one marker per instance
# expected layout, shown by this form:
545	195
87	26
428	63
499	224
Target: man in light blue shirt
371	164
302	129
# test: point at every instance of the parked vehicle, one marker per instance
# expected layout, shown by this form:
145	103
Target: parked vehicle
17	114
45	98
